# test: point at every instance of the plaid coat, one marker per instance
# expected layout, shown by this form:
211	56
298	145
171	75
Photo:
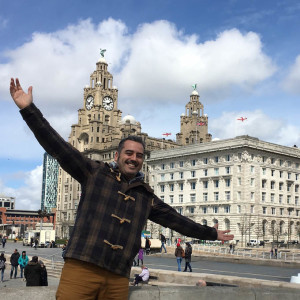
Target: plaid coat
112	211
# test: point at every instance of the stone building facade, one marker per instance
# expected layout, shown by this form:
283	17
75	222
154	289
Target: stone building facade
246	185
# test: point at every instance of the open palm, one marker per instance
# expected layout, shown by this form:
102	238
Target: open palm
19	96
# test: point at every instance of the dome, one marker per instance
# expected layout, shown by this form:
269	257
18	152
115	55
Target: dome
129	119
194	92
102	60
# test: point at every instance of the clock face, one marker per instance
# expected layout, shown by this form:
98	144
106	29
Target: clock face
89	102
108	103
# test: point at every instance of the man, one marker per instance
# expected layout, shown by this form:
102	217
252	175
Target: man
14	258
163	241
33	273
3	241
114	207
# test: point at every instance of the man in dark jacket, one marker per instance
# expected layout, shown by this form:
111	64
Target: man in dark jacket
114	207
33	272
14	263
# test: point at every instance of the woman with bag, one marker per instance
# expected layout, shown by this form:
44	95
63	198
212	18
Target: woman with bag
2	265
188	256
179	253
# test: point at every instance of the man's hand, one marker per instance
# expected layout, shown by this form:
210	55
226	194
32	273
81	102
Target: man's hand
19	96
222	236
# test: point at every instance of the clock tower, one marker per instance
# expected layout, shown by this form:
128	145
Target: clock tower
194	123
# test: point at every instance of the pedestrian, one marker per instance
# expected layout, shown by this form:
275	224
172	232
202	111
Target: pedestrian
163	241
33	272
188	256
272	252
114	199
143	277
147	246
44	276
2	265
3	241
63	250
23	261
36	243
14	261
140	257
179	253
275	251
231	249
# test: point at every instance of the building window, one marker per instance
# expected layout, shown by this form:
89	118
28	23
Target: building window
289	175
162	177
280	174
272	198
216	171
264	210
288	187
239	168
162	188
216	196
239	195
239	181
204	209
193	185
264	183
296	200
288	200
171	199
227	195
205	161
205	184
181	175
193	173
181	186
181	164
272	172
272	185
216	159
216	183
273	211
227	182
227	170
191	209
172	187
252	195
252	169
227	157
281	211
280	199
252	182
205	172
227	209
296	188
264	171
171	176
171	165
252	209
193	162
263	197
205	197
193	197
180	198
162	166
215	209
280	186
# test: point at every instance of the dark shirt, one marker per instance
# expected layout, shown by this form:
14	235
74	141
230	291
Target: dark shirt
32	273
112	211
14	259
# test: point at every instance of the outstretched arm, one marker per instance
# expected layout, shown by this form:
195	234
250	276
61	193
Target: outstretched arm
222	236
21	99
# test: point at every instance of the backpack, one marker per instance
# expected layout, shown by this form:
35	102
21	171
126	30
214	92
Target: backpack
2	264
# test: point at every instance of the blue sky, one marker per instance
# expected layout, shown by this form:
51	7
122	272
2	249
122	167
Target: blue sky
244	57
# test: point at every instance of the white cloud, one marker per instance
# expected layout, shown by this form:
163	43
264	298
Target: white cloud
292	81
258	124
27	196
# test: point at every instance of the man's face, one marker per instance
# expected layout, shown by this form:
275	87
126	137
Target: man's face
131	158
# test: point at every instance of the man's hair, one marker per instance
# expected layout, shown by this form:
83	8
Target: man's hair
133	138
35	259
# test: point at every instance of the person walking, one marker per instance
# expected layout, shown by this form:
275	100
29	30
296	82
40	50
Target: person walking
140	257
114	198
23	261
44	275
36	243
14	261
179	253
2	265
188	256
163	241
3	241
147	246
33	272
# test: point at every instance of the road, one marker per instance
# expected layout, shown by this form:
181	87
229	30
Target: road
168	262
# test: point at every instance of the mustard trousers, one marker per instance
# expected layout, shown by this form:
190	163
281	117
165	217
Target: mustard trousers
85	281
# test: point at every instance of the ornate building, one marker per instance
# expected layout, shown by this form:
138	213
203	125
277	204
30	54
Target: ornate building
194	123
246	185
97	134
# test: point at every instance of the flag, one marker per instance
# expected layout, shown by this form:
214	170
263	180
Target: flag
167	133
201	124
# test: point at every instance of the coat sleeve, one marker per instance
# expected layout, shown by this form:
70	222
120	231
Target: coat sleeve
69	158
167	216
